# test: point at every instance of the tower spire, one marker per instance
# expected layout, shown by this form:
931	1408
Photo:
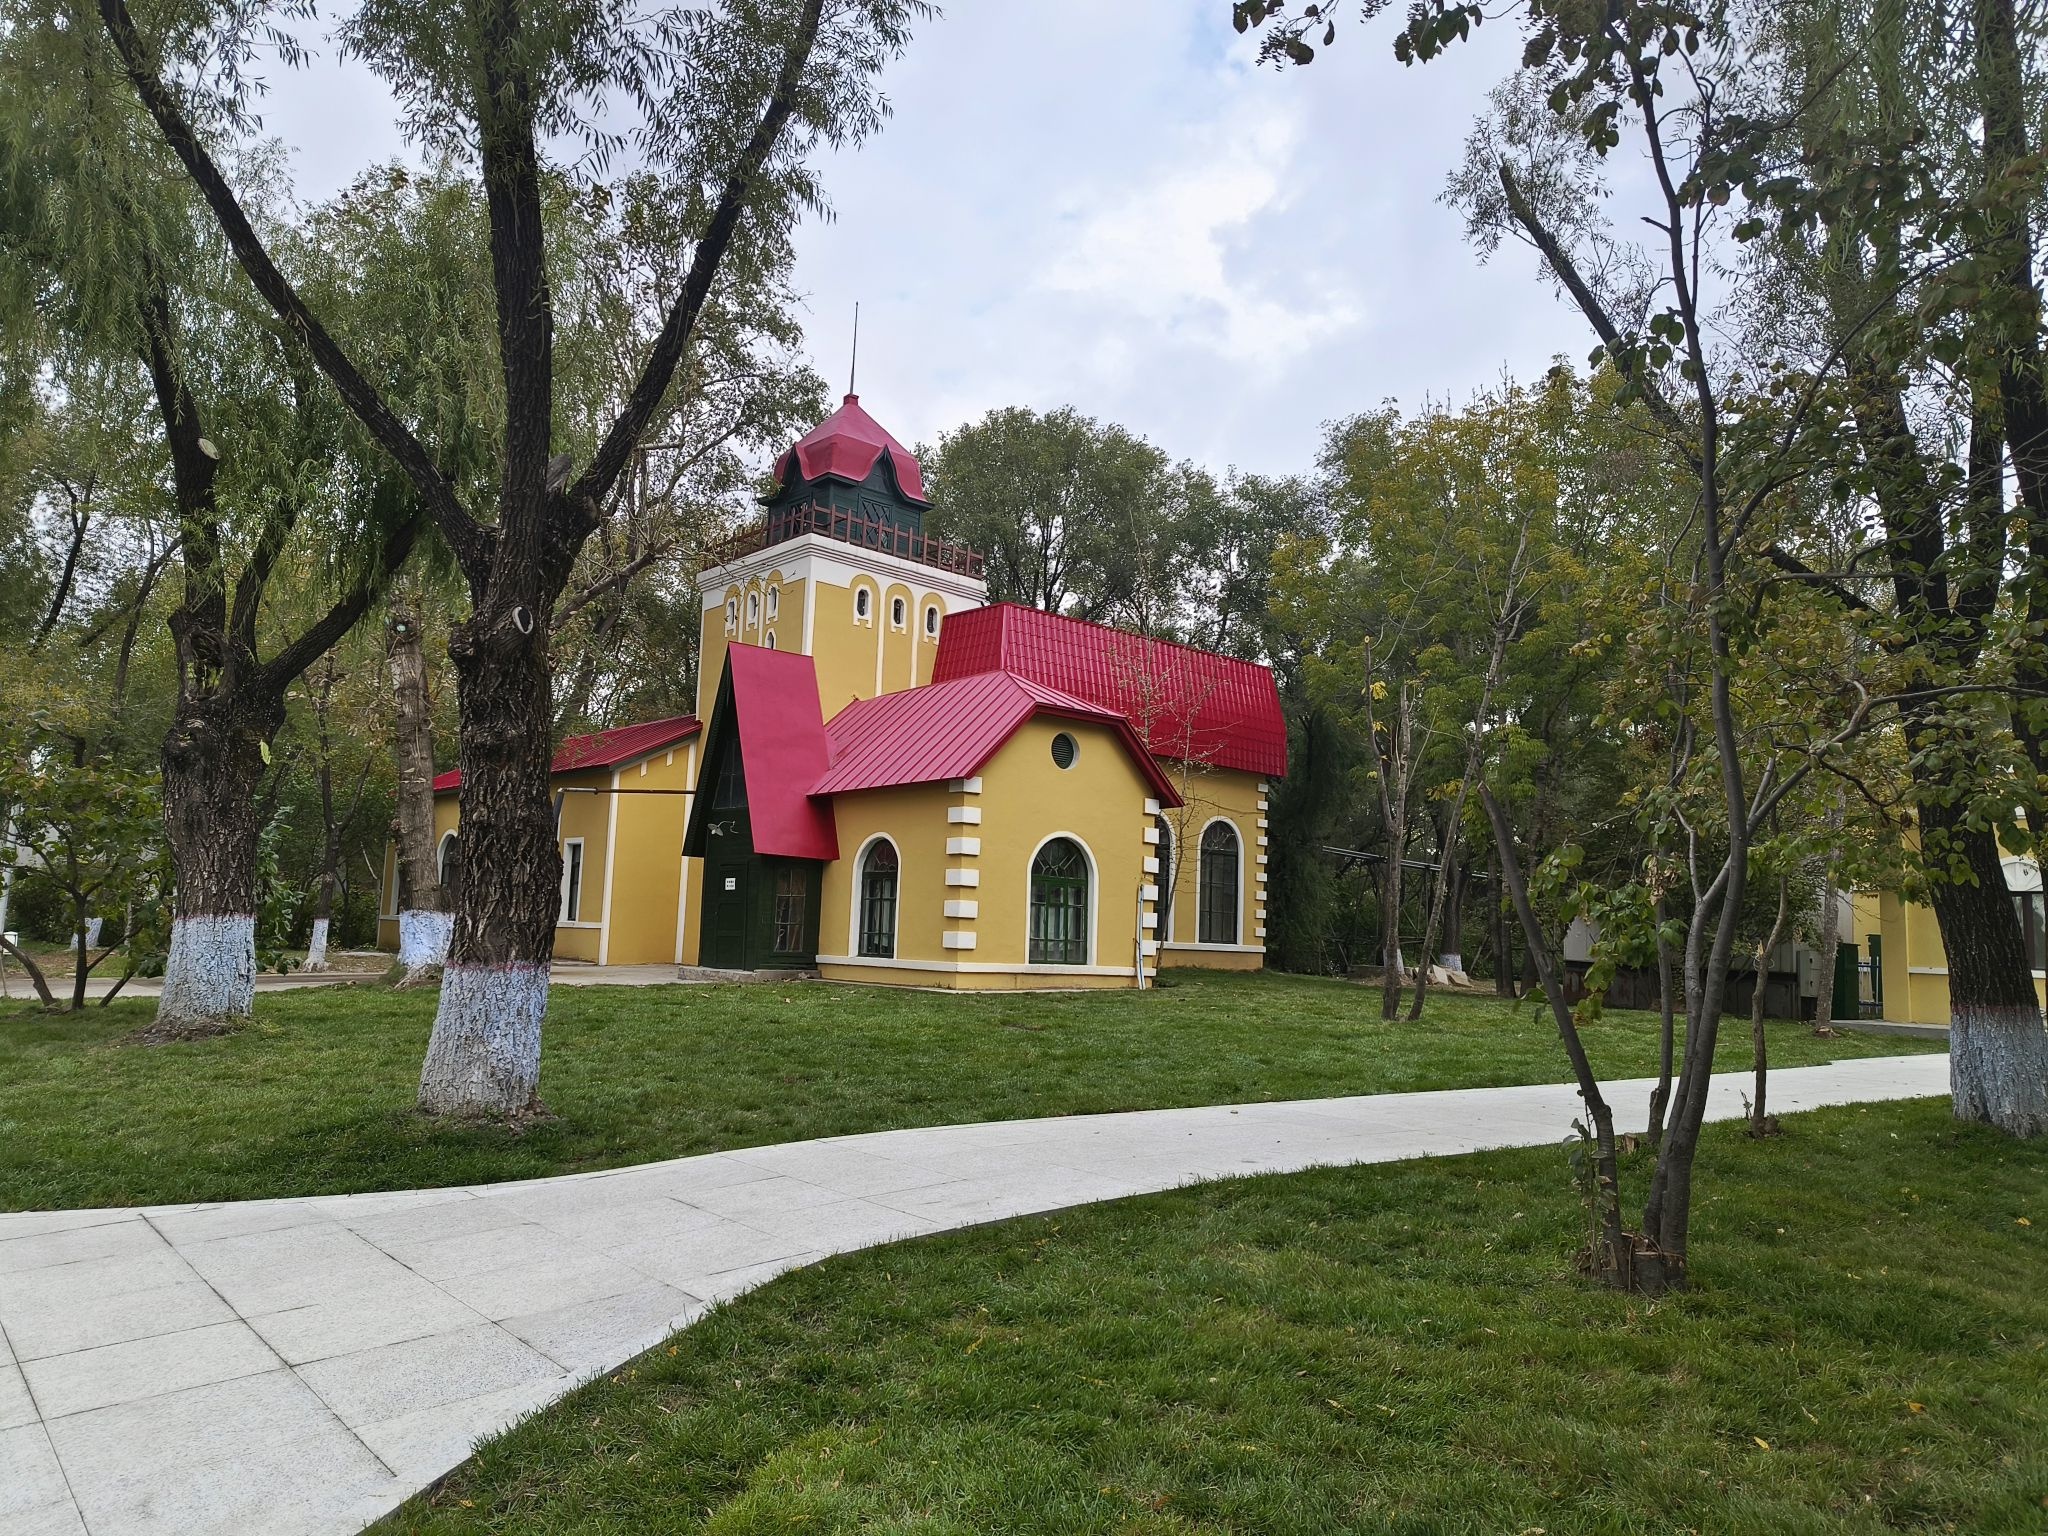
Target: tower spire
853	367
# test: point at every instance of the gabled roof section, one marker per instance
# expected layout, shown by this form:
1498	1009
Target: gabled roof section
845	446
950	730
770	698
604	749
1185	703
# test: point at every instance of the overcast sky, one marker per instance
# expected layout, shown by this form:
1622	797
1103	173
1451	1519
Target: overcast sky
1109	206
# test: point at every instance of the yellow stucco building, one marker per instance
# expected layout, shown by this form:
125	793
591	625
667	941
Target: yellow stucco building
1903	966
889	780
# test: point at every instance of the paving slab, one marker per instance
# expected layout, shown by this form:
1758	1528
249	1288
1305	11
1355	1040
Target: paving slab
300	1367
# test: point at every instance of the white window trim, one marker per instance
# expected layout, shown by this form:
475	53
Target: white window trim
931	621
862	589
1237	832
899	613
562	917
860	873
774	602
1094	900
441	855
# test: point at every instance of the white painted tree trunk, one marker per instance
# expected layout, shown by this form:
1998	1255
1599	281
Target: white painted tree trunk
484	1056
423	944
1998	1067
210	972
316	948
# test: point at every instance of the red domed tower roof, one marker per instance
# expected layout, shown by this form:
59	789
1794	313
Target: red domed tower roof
846	446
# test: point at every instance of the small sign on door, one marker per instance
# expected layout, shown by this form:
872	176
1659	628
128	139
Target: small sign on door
732	882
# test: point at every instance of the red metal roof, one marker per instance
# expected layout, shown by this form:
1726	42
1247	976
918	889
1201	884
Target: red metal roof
1185	703
950	730
782	750
604	749
846	444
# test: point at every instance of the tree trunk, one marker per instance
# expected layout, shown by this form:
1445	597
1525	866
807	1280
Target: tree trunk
424	922
1616	1255
1997	1050
323	912
34	972
212	760
1393	976
1760	1123
1497	926
81	955
484	1057
1667	1033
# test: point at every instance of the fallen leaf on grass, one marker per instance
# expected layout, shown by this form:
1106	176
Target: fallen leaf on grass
1760	1440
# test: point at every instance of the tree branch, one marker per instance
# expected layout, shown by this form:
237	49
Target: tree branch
597	479
469	539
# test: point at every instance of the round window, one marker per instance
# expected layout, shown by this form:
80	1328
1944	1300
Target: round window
1064	750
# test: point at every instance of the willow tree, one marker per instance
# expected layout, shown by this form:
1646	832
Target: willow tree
103	240
727	102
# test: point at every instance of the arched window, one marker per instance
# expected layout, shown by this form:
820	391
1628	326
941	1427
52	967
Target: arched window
863	603
774	601
449	867
1169	877
931	619
878	900
1059	904
732	614
1218	898
753	609
769	640
896	612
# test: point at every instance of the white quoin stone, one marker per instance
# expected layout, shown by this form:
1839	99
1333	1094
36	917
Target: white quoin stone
484	1056
958	941
316	947
964	847
964	815
1151	807
963	877
423	938
964	786
968	909
210	971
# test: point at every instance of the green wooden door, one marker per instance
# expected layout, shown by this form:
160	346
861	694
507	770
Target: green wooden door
726	911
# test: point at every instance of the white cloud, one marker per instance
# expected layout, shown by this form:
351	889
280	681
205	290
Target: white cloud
1177	255
1111	207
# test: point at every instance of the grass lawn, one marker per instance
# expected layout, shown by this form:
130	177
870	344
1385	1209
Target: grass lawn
315	1097
1400	1348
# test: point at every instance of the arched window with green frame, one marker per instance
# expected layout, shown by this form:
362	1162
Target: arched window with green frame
1059	904
878	872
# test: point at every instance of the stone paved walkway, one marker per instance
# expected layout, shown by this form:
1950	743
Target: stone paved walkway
289	1366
